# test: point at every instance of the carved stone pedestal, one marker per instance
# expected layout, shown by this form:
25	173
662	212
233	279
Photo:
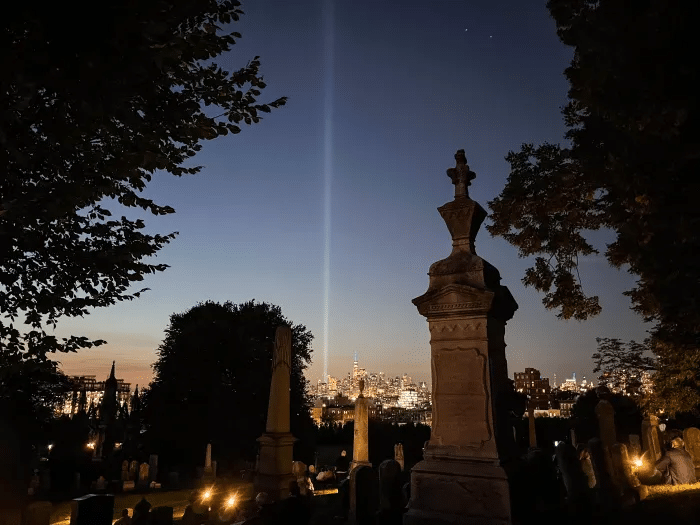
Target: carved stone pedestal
460	479
275	465
465	492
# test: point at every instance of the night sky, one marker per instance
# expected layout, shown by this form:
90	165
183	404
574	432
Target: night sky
327	208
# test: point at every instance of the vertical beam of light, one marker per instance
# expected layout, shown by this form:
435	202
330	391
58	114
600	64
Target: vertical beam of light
328	38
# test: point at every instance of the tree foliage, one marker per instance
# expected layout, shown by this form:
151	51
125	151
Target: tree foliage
631	166
623	366
212	382
94	99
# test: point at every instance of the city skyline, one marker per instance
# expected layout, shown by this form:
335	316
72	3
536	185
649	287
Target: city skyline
327	207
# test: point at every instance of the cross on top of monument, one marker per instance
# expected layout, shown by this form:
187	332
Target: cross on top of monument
461	175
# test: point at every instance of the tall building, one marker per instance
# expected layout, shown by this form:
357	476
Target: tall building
536	388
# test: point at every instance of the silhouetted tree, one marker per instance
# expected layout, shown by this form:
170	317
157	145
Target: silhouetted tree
212	382
632	164
628	418
623	365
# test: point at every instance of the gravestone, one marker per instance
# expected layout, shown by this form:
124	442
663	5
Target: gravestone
101	483
363	496
575	480
162	516
650	438
128	486
398	455
605	413
38	513
141	512
390	494
152	467
460	479
133	470
360	443
92	509
125	470
174	479
635	449
208	474
143	475
691	438
605	489
275	467
621	476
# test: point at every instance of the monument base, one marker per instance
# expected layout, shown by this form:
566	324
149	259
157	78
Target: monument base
447	491
275	465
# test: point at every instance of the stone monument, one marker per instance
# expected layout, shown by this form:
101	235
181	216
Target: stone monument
208	473
275	466
360	442
460	479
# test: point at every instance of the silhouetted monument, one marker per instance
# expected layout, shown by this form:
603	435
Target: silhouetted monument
275	466
460	479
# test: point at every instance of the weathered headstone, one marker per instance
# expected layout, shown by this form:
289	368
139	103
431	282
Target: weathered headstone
605	490
398	454
128	486
635	449
92	509
460	479
125	470
133	470
275	468
650	438
363	496
38	513
390	495
360	443
207	474
691	438
153	467
142	511
101	483
575	481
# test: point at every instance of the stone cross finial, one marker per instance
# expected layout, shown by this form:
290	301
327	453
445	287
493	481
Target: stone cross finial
461	175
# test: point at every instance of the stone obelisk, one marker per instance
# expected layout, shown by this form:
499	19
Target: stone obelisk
360	442
275	465
460	479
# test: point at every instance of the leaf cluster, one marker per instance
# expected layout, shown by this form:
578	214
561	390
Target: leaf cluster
88	113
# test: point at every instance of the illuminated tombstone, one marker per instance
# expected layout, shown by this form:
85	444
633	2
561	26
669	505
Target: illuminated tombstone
460	479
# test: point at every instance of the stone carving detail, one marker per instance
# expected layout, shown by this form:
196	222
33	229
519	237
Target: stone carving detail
467	327
461	175
460	383
458	306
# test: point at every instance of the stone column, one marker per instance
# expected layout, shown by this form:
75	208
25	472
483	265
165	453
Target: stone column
460	479
275	465
360	442
208	474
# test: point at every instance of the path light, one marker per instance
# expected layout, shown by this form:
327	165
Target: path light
206	495
638	462
231	501
91	445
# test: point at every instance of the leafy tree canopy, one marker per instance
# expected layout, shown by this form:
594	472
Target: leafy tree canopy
631	166
95	97
212	381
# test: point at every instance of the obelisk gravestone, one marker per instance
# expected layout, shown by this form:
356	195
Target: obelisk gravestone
460	479
275	465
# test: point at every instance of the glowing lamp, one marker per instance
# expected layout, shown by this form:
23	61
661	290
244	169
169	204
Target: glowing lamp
638	462
206	495
231	501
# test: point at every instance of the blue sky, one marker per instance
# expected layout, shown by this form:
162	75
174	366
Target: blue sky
381	95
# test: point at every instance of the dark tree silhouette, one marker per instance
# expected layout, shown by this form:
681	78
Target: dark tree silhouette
631	167
90	110
212	383
622	366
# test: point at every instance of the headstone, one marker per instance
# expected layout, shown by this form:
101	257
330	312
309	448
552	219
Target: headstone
153	467
460	479
605	413
398	455
635	449
101	483
360	443
207	474
143	474
128	486
650	438
621	476
38	513
141	512
125	470
390	496
133	470
363	496
605	490
92	509
162	516
691	438
174	479
276	444
575	481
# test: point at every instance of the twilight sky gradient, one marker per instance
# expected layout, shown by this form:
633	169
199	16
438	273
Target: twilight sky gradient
381	95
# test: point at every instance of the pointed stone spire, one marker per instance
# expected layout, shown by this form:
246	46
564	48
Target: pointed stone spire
111	374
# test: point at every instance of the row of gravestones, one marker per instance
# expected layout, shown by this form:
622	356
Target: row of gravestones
144	474
98	509
380	496
612	466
